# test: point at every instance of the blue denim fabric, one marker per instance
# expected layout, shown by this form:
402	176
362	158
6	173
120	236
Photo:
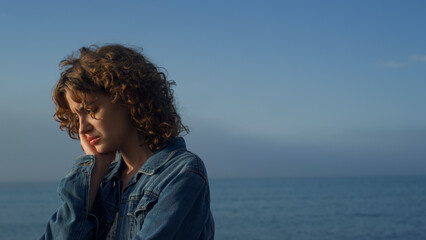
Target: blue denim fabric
168	198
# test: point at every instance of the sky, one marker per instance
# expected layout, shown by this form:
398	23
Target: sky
267	88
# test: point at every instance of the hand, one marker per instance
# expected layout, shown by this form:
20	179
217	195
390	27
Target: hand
91	150
102	164
85	145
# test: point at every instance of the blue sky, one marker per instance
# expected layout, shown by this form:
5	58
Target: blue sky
268	88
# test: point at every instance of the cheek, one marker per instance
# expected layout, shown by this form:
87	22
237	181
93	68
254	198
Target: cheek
123	117
115	124
121	126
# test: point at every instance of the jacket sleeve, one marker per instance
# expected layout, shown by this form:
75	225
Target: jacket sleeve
72	220
181	212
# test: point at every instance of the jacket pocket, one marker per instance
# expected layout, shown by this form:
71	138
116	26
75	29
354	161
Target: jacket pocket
138	213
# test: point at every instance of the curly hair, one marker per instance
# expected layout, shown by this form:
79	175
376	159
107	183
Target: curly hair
129	79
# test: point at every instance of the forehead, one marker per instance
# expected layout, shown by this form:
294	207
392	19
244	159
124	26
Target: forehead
77	99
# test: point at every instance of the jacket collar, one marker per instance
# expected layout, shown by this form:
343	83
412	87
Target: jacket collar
153	163
115	173
161	157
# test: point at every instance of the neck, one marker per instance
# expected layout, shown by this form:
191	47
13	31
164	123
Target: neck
134	153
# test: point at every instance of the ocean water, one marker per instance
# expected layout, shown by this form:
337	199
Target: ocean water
287	208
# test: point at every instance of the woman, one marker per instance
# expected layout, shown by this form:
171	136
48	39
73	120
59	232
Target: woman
137	180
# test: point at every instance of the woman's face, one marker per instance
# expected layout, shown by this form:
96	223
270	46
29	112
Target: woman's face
106	125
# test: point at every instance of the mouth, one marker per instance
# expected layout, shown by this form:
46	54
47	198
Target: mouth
93	140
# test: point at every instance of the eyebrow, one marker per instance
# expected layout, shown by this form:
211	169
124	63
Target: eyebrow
80	109
81	106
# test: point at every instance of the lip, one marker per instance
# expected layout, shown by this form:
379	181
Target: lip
93	140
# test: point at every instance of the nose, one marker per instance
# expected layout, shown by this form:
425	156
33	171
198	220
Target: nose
84	125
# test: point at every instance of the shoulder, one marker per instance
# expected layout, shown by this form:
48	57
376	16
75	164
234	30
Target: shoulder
187	162
183	172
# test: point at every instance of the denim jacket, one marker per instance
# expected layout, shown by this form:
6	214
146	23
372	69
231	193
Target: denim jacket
168	198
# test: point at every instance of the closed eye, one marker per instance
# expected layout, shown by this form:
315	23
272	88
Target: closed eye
92	112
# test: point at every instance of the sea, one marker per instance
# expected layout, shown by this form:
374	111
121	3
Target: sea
349	208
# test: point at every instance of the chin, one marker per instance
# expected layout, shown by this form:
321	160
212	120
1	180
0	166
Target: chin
104	149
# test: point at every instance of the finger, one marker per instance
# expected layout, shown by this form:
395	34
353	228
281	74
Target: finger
85	145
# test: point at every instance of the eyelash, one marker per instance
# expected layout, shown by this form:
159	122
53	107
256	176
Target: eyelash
90	111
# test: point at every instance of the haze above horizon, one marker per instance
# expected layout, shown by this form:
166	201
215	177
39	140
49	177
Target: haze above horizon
268	88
